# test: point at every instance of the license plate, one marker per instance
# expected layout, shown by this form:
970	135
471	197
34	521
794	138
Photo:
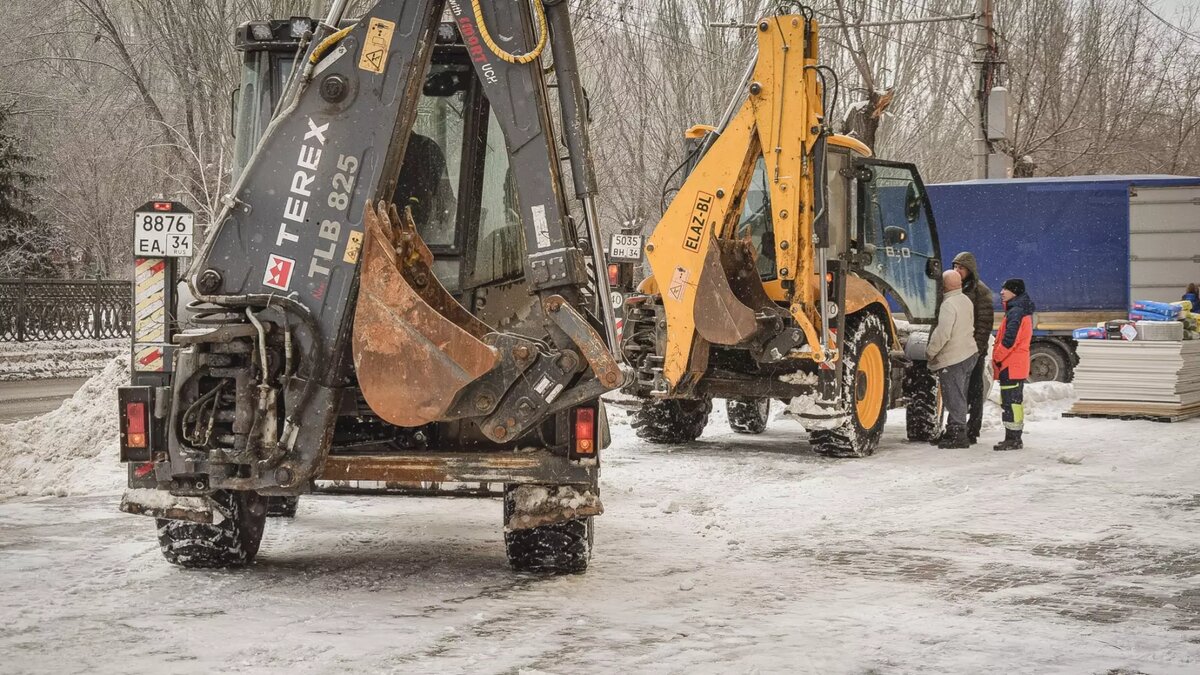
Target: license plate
159	235
625	247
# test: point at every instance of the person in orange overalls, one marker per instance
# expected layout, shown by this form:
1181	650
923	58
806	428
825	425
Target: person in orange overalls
1010	359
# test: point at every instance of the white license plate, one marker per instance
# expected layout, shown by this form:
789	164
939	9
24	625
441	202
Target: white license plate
158	235
625	247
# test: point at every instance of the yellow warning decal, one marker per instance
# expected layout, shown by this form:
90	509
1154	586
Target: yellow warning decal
376	45
148	358
149	296
353	246
678	281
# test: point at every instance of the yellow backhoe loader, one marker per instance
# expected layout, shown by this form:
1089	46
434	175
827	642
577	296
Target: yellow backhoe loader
780	267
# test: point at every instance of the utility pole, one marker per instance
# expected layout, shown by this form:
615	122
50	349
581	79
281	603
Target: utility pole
984	46
992	123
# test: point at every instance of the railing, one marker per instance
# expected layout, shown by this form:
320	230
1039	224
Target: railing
50	309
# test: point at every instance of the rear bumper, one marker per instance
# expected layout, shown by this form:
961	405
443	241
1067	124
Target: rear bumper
528	466
540	467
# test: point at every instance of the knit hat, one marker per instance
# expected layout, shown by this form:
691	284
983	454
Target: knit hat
1015	286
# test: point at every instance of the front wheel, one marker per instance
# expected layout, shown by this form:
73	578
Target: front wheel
923	419
231	541
865	379
282	507
748	415
672	420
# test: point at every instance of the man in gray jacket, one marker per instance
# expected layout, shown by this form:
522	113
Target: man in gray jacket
952	355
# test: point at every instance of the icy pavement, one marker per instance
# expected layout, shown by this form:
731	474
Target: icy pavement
736	554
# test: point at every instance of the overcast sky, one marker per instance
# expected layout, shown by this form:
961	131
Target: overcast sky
1173	5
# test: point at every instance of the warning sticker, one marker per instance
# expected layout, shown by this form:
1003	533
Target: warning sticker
678	281
376	45
353	246
541	227
148	358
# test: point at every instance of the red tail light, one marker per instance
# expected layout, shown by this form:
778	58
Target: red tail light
585	431
135	424
614	274
162	206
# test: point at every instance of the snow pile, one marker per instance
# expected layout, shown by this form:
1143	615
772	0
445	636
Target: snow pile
57	358
72	450
807	410
1043	401
799	377
535	505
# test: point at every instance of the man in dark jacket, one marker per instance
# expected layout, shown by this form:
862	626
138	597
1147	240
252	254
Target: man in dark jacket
1010	358
981	299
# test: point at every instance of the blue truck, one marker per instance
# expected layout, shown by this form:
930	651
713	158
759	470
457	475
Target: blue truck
1085	246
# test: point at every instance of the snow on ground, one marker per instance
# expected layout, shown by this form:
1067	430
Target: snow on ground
1042	401
71	450
734	554
57	358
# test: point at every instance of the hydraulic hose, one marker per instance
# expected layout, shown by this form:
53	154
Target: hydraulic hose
528	56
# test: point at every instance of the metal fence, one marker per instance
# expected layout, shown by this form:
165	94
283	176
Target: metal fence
51	309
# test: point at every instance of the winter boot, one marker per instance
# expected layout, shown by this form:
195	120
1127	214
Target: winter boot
1012	441
955	438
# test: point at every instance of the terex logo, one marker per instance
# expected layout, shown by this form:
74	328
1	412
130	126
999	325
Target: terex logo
279	272
699	221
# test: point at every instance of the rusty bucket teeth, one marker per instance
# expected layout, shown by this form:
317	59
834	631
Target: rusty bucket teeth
415	348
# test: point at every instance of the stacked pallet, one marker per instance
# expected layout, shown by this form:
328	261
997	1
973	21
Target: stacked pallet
1138	379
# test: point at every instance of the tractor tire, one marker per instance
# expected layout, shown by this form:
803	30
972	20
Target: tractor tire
233	542
561	548
282	507
1048	363
923	420
865	381
673	420
748	415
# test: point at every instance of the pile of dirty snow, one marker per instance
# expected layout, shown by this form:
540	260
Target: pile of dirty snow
72	450
57	358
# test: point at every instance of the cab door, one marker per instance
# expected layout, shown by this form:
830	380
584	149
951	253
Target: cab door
897	238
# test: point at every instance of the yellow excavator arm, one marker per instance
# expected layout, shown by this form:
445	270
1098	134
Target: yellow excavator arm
698	265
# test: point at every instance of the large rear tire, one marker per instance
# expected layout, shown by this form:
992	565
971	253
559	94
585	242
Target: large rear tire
748	415
1048	363
232	542
672	420
865	380
923	420
561	548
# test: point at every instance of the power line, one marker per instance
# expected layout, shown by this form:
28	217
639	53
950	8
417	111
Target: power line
646	33
903	22
1191	36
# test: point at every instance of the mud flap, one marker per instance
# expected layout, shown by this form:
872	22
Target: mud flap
538	505
162	504
415	348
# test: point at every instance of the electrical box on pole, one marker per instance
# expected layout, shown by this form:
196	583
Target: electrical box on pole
999	120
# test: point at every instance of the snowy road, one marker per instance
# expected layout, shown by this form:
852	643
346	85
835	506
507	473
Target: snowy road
1077	556
30	398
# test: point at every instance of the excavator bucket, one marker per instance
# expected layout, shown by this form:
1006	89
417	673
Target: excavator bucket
729	293
415	348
